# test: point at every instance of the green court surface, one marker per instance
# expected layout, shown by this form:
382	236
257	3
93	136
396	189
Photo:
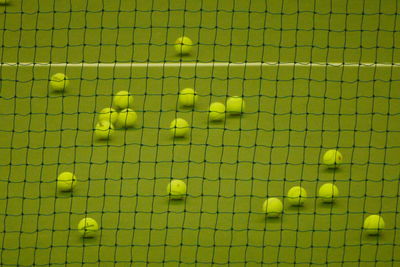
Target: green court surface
294	113
249	30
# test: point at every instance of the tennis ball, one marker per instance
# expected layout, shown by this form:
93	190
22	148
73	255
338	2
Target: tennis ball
59	82
104	130
332	158
273	207
108	114
373	224
66	181
179	127
183	45
187	97
297	195
176	189
328	192
235	105
88	227
126	118
123	100
217	111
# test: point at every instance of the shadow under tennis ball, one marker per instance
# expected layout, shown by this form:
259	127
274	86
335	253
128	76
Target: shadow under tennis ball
65	194
261	218
176	202
234	115
105	142
372	239
333	170
180	139
186	108
327	205
57	93
90	240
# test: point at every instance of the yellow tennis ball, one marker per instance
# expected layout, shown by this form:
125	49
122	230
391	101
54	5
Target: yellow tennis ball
187	97
328	192
123	100
297	195
235	105
373	224
217	111
183	45
273	207
179	127
126	118
59	82
88	227
176	189
109	114
332	158
104	130
66	181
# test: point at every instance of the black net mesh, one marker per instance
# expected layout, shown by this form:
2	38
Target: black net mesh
315	76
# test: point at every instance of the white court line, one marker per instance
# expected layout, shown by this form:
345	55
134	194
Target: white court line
199	64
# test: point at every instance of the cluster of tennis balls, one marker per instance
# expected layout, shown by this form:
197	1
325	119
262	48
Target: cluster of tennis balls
179	127
296	196
120	115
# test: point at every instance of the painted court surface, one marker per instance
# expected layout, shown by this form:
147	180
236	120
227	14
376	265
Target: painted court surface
295	111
